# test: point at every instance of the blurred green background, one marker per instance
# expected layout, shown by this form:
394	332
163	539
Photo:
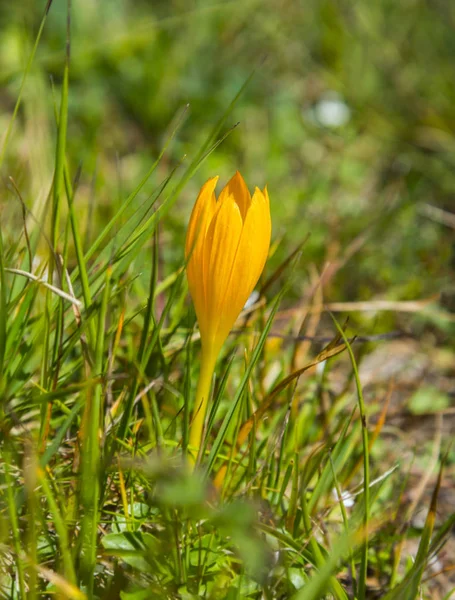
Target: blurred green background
349	119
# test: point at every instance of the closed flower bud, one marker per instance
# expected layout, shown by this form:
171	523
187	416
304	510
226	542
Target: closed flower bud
226	247
227	244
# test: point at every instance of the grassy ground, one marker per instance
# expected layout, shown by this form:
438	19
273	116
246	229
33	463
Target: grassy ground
327	470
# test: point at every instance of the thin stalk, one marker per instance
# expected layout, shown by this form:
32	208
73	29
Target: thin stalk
322	565
208	361
10	487
79	249
3	313
292	509
232	453
159	434
92	454
21	89
60	528
45	377
187	392
345	524
366	467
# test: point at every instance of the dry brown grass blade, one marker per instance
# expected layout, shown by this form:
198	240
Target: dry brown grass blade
410	306
438	215
64	587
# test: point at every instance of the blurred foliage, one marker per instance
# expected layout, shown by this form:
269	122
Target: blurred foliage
349	118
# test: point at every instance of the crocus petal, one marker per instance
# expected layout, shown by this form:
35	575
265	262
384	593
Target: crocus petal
220	248
226	248
199	222
201	214
255	240
237	188
249	261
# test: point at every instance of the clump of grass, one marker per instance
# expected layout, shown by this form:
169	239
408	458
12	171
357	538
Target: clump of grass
98	364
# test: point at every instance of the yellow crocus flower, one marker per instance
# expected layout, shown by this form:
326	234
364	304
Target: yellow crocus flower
227	244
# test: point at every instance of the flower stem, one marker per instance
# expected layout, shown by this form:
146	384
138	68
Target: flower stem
208	361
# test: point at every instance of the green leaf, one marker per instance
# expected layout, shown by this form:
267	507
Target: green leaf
131	547
428	399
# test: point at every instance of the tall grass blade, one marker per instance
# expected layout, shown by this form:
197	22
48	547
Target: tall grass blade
362	578
91	454
24	77
3	312
408	589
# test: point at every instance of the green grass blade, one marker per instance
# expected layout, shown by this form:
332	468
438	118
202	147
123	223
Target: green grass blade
338	457
316	588
58	437
366	465
304	553
92	454
81	263
14	522
149	317
205	149
59	162
344	516
216	401
60	528
3	312
148	348
125	205
326	581
408	589
24	77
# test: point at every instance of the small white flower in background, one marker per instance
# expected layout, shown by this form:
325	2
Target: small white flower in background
254	297
332	110
346	497
37	264
320	367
